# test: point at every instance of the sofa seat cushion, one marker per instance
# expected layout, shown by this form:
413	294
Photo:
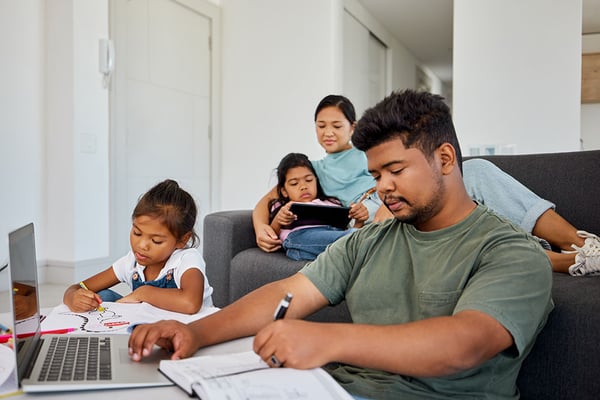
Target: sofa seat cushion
559	353
253	268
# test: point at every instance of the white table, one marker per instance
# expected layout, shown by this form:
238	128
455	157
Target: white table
158	393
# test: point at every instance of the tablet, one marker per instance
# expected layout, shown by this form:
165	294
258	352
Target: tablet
317	214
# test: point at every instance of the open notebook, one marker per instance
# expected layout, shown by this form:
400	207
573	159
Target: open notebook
47	363
245	376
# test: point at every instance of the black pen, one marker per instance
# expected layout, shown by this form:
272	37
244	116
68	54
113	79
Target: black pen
282	307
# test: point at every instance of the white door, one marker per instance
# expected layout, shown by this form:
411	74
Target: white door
160	105
364	65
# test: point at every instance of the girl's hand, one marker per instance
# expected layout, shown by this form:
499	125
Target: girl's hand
359	213
130	298
138	295
284	216
80	300
187	299
83	297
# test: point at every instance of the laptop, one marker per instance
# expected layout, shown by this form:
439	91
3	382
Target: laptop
52	363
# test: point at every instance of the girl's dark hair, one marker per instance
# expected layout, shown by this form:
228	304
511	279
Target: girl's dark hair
173	205
293	160
421	120
341	102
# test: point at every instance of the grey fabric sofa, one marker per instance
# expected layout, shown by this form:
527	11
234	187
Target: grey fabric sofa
565	361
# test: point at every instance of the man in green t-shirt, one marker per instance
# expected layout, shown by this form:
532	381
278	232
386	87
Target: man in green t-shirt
447	298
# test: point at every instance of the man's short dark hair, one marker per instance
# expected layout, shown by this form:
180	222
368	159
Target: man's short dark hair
421	120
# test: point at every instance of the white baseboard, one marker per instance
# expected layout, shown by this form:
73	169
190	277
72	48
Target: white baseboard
64	272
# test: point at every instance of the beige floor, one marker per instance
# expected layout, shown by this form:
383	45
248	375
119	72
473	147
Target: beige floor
51	294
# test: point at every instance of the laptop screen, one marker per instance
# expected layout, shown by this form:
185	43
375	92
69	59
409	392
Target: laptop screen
25	305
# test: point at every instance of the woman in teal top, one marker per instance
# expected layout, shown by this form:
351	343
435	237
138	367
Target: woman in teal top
342	172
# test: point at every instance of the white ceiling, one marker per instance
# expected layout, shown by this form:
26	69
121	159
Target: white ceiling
425	28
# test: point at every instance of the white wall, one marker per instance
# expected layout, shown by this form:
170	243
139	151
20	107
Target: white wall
590	113
59	103
51	97
77	230
273	78
90	133
280	58
22	154
401	62
517	74
590	43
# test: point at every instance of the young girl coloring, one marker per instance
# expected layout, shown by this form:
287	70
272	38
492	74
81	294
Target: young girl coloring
297	182
163	268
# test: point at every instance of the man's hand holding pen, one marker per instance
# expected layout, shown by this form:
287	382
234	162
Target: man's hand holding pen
294	343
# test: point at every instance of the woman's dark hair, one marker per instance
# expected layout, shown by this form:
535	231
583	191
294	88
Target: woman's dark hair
173	205
341	102
421	120
293	160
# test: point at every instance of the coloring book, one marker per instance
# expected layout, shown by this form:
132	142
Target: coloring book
114	317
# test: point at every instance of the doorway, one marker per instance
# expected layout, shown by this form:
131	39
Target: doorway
163	105
365	65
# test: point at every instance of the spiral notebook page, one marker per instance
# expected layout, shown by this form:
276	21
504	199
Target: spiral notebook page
245	376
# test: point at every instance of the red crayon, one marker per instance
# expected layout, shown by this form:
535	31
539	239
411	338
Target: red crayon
6	338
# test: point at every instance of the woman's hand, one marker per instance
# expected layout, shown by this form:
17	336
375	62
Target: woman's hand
360	214
382	214
266	238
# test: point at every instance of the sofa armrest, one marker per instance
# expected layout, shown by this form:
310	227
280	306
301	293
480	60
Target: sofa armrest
226	233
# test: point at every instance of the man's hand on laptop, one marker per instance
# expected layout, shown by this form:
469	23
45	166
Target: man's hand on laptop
170	335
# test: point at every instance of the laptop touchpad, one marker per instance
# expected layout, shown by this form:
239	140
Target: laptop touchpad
157	355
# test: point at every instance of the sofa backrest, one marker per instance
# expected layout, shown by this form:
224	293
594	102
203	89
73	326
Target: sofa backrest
571	180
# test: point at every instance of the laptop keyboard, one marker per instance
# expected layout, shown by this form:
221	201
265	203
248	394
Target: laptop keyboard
77	359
